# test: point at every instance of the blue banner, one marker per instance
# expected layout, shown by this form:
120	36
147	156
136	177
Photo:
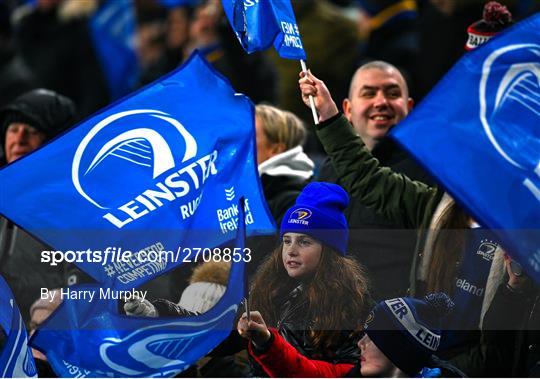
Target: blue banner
260	23
16	360
113	33
90	339
478	133
159	171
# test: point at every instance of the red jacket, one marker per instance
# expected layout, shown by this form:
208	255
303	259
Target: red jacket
283	360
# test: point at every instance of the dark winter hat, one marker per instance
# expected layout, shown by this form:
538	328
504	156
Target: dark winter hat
407	330
43	109
496	17
318	212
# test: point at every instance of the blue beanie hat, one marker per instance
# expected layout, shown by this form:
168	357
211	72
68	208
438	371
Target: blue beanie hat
407	330
318	212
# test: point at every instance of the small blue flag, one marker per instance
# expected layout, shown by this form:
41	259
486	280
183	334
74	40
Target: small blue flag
113	33
16	360
261	23
478	133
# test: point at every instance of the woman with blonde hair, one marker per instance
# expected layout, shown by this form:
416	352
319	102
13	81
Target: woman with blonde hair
283	166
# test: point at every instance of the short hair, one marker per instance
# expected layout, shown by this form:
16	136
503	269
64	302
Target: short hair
281	126
377	65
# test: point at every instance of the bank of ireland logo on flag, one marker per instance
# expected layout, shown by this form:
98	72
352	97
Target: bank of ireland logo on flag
483	118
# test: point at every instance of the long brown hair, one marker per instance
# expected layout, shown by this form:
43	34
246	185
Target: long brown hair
337	295
447	249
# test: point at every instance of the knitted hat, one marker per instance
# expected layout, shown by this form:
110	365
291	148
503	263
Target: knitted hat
407	330
45	110
496	17
201	296
208	283
318	212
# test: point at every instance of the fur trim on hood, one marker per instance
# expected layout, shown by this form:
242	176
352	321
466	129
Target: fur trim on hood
293	162
211	272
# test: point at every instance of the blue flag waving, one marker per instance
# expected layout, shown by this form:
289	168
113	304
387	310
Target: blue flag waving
478	133
156	172
113	33
90	339
132	192
261	23
16	360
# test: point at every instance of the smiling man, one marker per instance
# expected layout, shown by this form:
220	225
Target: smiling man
378	100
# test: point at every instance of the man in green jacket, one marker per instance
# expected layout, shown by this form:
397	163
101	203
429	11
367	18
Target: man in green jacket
395	196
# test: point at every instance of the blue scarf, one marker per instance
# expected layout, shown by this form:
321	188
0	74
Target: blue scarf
470	287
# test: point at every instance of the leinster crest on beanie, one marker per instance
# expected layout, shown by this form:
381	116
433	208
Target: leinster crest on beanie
318	212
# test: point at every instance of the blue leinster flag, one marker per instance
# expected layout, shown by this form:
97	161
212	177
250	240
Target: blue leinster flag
260	23
159	171
478	133
90	339
16	360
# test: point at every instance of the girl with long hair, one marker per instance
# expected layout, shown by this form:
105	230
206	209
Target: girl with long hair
308	288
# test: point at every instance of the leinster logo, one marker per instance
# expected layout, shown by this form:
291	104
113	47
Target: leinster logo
134	162
369	319
510	87
300	216
487	250
159	347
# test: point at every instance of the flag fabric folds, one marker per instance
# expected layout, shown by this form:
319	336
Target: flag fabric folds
260	23
478	133
16	360
159	171
157	175
90	339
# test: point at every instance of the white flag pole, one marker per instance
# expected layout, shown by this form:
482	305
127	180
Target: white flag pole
311	100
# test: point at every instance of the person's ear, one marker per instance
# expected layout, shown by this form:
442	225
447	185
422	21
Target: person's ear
410	104
346	105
